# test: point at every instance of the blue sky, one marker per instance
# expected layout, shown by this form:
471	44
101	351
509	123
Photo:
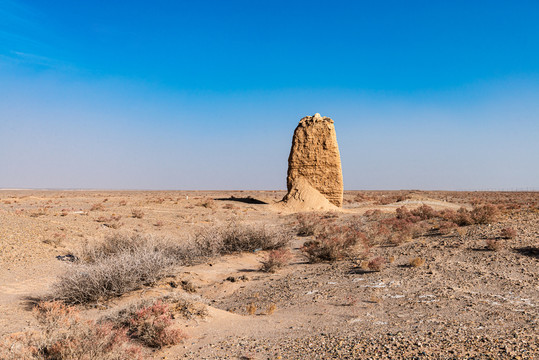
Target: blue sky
206	94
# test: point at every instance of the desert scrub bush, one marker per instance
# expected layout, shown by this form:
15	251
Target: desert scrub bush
334	243
484	214
137	213
117	265
208	204
276	259
403	213
463	217
149	324
176	305
377	264
508	233
63	334
123	263
425	212
395	230
111	277
234	237
237	238
307	223
416	262
446	227
118	244
251	309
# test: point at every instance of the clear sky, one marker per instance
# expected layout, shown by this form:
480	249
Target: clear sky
206	94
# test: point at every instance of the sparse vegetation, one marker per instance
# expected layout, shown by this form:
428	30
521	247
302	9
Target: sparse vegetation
307	223
276	259
149	324
137	213
377	264
238	238
251	309
115	266
333	243
123	263
63	335
508	233
271	309
208	204
416	262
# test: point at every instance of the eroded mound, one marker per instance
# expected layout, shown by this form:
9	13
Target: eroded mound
303	197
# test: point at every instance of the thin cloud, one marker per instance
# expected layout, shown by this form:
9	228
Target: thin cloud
22	37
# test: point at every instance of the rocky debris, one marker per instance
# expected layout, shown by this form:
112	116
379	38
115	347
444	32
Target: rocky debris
315	162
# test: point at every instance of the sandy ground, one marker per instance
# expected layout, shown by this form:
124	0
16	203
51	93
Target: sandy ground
464	302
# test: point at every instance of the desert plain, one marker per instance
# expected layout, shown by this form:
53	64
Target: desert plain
409	274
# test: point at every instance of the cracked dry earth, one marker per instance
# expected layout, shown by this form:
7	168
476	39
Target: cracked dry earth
464	302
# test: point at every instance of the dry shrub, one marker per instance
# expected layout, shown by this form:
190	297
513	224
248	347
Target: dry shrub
377	264
188	286
177	304
425	212
484	214
117	244
251	309
276	259
307	223
447	227
416	262
150	325
373	214
111	277
334	243
122	263
186	308
508	233
494	245
396	230
271	309
117	265
390	199
208	204
137	213
400	238
238	238
232	238
464	218
404	214
64	335
449	215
